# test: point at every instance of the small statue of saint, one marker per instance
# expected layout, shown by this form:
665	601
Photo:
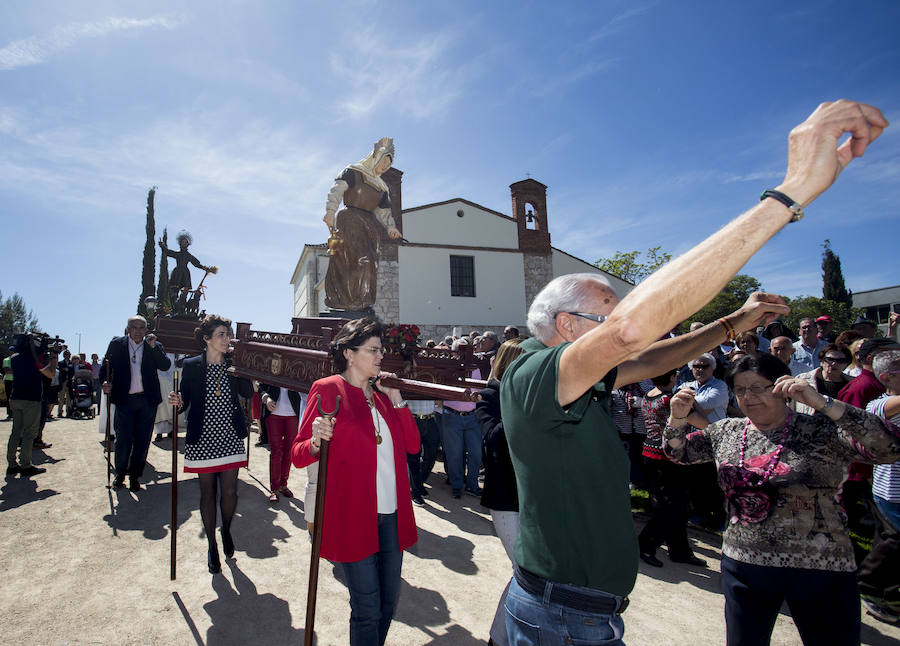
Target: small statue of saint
350	281
181	275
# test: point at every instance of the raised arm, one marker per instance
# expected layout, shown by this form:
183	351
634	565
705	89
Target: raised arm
686	284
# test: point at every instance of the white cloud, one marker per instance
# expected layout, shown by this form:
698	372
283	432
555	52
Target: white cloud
258	173
36	49
419	78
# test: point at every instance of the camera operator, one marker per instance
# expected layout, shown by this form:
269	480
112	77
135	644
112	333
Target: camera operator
61	396
33	360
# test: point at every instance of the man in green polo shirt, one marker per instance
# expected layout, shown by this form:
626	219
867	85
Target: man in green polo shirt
577	555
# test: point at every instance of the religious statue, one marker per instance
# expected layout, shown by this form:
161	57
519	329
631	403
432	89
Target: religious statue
180	280
350	281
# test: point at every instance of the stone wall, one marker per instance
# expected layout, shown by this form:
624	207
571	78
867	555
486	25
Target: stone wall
387	294
538	272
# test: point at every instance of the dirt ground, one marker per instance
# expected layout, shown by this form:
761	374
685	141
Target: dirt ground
85	565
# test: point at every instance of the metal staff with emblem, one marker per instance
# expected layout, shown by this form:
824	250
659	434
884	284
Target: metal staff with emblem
308	631
174	521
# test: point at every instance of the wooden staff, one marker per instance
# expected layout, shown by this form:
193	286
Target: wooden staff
108	440
308	631
174	526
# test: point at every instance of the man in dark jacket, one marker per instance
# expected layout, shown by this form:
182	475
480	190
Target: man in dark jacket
130	379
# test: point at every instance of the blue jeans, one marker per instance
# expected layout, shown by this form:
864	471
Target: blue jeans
462	449
134	428
533	621
374	584
890	510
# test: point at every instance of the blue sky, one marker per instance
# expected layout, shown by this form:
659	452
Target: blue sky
651	123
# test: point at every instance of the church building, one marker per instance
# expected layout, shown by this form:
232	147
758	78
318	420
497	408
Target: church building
462	266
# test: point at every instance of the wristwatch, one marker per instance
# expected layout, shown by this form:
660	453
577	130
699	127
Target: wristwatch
829	402
400	404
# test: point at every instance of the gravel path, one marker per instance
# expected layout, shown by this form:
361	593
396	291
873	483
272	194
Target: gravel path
83	565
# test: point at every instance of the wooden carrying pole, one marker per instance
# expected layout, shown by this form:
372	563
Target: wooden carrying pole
174	521
309	629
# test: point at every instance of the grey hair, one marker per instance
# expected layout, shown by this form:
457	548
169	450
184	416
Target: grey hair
490	334
562	294
706	355
460	341
886	361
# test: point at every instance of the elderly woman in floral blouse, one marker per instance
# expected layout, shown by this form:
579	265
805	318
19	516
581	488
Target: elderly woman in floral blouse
787	538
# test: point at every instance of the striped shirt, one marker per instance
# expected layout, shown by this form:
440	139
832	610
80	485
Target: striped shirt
886	477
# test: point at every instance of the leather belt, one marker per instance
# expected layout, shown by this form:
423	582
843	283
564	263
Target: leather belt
457	412
427	416
594	601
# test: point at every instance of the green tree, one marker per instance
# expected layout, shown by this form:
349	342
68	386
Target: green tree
812	307
729	299
14	319
626	265
833	288
149	267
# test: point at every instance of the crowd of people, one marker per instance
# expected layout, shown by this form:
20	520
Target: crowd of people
780	432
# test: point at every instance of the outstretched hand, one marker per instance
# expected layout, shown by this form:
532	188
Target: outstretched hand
814	158
760	308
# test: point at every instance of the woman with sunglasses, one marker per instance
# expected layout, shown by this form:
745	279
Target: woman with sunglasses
786	538
368	517
829	377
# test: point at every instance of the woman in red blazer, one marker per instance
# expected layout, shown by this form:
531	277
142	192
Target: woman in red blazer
368	517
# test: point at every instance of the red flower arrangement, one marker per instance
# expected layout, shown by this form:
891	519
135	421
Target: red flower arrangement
402	337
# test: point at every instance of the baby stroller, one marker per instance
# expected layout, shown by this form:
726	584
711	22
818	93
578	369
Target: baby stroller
82	395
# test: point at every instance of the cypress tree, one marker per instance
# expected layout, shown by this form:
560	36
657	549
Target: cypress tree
833	288
148	273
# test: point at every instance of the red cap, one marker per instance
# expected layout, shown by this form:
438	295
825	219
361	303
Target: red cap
824	319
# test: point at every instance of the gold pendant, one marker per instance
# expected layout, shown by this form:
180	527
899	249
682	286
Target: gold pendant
218	392
377	439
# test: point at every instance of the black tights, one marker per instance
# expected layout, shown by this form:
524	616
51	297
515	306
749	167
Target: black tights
209	483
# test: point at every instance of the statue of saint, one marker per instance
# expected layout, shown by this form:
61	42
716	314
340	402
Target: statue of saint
181	275
356	229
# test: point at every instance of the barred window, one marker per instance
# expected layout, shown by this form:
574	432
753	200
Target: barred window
462	276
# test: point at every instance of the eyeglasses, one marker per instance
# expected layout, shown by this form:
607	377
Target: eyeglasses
834	360
374	349
599	318
740	391
702	366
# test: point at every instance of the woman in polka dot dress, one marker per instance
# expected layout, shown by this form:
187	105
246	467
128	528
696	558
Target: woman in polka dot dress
216	428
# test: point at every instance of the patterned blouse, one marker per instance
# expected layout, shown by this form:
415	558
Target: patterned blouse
794	520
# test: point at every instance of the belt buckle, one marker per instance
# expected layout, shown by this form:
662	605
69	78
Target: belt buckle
623	606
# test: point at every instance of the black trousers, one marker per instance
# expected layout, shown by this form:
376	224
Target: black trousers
823	604
421	463
879	572
669	486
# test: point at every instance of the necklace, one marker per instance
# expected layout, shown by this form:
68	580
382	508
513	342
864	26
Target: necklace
219	385
371	402
133	352
775	457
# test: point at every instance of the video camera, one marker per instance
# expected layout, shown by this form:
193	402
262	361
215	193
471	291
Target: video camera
45	345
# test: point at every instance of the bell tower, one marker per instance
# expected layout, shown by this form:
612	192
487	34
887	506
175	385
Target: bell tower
529	208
